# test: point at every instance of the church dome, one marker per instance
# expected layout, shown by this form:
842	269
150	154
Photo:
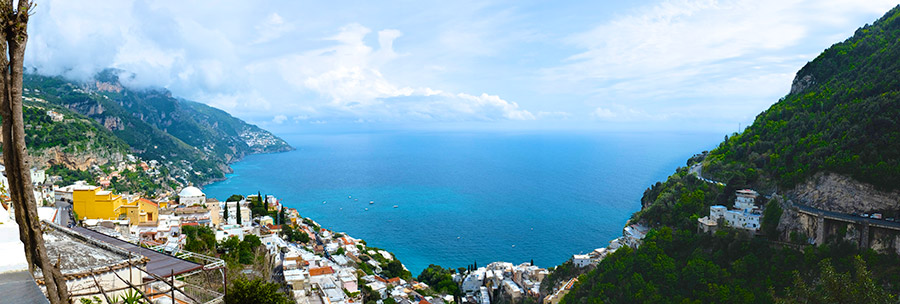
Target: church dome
190	192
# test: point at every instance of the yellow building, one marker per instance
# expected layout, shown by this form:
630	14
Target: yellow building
91	202
140	211
94	203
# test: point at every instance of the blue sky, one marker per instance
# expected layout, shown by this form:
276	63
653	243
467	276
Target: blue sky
598	65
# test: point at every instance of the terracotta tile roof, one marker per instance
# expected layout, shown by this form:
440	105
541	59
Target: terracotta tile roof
320	271
144	200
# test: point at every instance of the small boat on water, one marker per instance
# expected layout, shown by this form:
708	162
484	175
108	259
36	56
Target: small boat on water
349	196
367	209
371	202
323	202
395	206
514	246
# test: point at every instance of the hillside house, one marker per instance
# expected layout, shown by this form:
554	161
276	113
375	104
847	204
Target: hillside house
744	215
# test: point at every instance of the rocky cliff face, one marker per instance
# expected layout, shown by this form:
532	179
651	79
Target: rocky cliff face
75	161
839	193
801	83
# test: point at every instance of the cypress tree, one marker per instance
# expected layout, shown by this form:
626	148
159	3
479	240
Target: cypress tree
238	213
226	212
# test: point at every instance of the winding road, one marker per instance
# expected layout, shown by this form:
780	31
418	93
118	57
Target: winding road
696	170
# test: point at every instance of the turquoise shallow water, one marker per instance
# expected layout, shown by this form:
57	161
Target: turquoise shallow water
464	197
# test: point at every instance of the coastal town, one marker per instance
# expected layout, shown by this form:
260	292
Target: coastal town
152	237
112	244
155	240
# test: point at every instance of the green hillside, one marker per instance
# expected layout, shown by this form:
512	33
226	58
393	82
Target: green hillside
194	140
75	133
842	116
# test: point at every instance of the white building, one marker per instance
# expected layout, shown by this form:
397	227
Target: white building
232	213
473	281
226	231
745	214
38	176
484	296
348	279
744	219
634	234
191	196
55	116
581	260
745	199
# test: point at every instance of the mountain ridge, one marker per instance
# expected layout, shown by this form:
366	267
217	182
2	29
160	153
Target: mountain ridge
196	142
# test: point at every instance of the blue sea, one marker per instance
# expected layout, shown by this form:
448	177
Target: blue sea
463	197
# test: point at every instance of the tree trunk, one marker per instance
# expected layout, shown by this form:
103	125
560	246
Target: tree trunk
13	37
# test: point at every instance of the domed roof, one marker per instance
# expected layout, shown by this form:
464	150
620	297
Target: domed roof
190	192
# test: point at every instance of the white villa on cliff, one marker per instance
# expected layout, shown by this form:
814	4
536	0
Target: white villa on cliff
744	215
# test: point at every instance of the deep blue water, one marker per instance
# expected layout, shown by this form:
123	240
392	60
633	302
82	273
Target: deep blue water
465	197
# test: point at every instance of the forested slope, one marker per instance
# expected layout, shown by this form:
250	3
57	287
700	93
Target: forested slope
842	116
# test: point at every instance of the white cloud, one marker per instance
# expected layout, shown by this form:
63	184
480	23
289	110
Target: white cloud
348	74
272	28
245	58
669	61
701	51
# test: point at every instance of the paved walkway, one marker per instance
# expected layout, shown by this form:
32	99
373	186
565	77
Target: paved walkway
19	287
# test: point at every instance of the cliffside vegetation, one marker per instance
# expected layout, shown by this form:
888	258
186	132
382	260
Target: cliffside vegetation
842	116
73	133
439	279
102	121
679	266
